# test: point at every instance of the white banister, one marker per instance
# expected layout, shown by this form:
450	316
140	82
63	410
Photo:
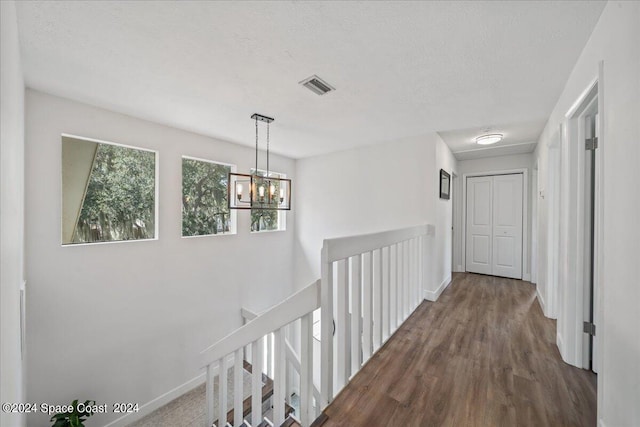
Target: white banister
370	284
297	305
256	334
379	283
344	247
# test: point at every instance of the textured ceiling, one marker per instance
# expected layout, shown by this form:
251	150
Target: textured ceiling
517	138
401	69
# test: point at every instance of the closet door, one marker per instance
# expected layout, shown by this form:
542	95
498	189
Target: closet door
507	226
494	225
479	224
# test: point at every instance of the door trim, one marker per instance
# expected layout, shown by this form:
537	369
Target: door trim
526	261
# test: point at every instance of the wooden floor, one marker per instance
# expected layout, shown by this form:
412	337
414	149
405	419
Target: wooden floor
482	355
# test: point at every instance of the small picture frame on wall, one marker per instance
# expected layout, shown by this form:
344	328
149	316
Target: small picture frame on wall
445	185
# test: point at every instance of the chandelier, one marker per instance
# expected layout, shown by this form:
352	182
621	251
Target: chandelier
261	189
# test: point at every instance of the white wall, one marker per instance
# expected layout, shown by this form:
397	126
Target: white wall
372	189
125	322
614	41
491	164
442	262
11	212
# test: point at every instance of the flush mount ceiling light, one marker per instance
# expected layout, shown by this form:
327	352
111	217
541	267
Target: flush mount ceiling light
262	189
489	139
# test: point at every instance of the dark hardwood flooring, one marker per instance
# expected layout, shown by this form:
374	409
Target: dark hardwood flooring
482	355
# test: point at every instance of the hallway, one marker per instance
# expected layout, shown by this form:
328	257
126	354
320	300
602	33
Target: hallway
482	355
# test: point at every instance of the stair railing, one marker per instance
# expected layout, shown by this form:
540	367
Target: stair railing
229	351
292	358
370	284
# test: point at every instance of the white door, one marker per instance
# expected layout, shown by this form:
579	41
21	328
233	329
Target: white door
494	225
479	224
507	226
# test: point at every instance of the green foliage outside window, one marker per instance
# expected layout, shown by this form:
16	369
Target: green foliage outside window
119	203
205	209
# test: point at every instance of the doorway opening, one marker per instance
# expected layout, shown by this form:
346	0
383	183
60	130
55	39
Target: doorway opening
581	233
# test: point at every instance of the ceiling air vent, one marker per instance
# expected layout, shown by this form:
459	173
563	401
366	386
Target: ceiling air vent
317	85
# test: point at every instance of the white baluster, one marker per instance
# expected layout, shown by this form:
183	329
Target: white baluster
377	299
417	270
399	284
238	392
405	278
412	289
343	322
306	369
393	286
210	397
367	301
269	356
356	312
421	272
222	392
386	285
326	339
279	377
256	382
405	281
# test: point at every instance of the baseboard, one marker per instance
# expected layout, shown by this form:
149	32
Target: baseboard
458	269
560	344
433	296
543	306
158	402
526	277
601	423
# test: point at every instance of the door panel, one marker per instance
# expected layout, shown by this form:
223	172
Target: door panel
507	227
505	251
480	250
479	224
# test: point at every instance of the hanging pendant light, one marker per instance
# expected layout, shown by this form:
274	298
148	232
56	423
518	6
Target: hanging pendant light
259	189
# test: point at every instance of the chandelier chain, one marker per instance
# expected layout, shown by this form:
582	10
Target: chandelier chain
267	149
256	145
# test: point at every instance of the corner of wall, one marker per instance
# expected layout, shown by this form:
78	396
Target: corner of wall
12	88
434	295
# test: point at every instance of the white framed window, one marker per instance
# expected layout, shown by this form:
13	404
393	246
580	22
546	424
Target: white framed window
109	192
263	220
205	205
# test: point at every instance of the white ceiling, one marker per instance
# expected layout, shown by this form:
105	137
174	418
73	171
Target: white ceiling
401	69
517	138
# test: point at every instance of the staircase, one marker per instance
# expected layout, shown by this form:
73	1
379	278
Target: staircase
370	285
267	394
